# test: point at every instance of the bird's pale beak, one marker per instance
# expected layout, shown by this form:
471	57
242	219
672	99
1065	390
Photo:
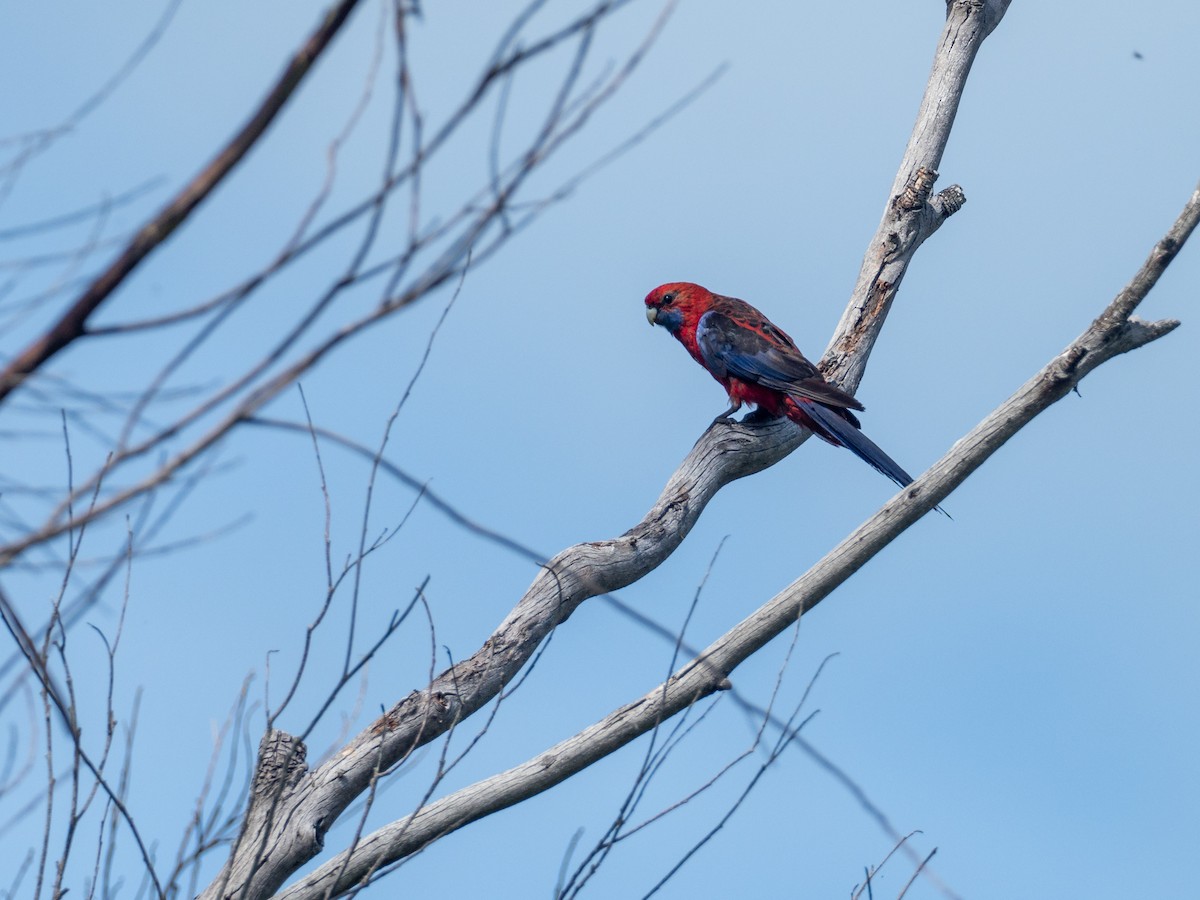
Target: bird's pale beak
651	314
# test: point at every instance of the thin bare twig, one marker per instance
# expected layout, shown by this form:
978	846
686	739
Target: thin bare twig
590	569
73	323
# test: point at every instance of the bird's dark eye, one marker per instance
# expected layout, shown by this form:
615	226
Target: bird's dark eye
668	298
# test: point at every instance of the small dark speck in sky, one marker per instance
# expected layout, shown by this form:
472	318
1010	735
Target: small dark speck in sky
1137	55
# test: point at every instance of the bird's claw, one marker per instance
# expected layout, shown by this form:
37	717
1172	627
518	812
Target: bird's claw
758	417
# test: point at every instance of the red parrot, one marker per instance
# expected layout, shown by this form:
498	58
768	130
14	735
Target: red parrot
756	362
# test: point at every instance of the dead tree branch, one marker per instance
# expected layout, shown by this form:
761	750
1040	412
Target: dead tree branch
72	325
288	824
1115	331
911	213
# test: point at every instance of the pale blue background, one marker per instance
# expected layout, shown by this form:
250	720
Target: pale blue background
1019	684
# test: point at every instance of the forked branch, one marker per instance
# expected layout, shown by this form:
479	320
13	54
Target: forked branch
288	824
72	324
1115	331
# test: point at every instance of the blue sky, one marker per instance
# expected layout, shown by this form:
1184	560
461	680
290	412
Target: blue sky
1019	684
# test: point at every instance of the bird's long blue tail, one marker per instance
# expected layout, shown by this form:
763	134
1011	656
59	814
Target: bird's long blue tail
834	428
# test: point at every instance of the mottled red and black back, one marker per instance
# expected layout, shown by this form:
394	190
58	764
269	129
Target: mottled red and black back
736	341
757	362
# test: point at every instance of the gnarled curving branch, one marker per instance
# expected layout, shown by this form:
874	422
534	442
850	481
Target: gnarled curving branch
284	827
1115	331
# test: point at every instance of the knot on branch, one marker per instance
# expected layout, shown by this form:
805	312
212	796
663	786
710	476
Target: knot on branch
916	192
987	12
436	709
917	213
1123	333
949	201
918	196
281	762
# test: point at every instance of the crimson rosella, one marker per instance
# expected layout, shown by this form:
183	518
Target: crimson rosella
758	363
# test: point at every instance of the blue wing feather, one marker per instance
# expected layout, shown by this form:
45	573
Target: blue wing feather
729	348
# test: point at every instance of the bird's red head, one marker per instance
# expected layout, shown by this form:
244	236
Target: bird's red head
677	304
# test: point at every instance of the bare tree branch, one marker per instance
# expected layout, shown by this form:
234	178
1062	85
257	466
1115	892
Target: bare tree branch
911	215
84	213
874	870
1114	332
73	323
469	232
292	819
291	805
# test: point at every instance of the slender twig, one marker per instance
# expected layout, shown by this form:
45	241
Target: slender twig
73	323
83	213
449	265
874	870
917	872
591	568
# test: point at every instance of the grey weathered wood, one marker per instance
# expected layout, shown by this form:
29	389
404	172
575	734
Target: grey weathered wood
902	228
285	828
1114	332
